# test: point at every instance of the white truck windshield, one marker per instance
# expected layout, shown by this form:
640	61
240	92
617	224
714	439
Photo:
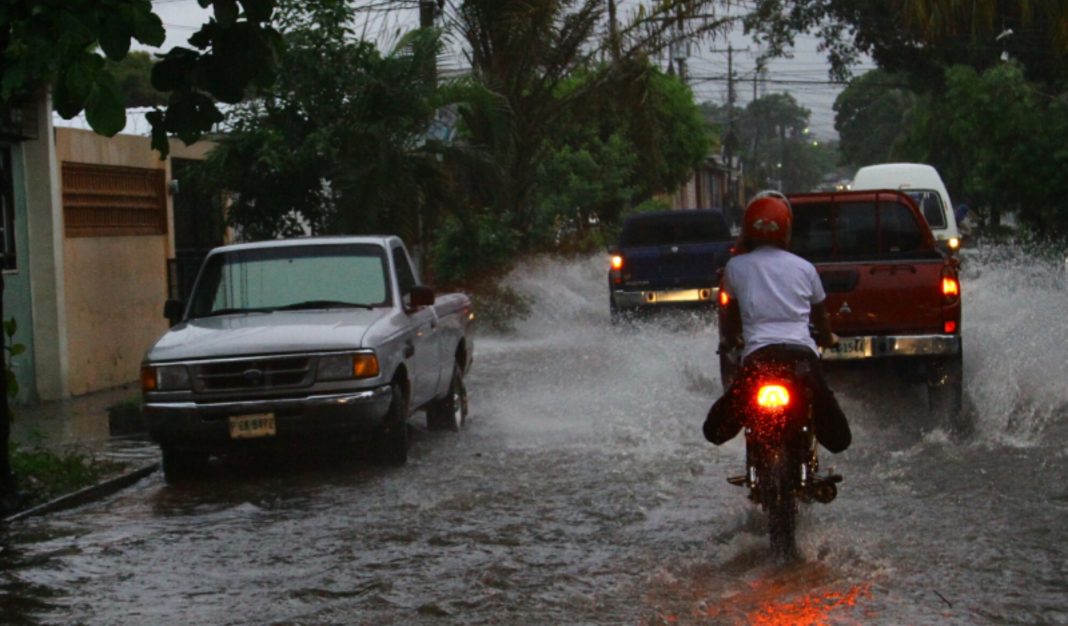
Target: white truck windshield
292	277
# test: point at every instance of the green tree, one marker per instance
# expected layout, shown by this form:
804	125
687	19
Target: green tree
343	141
528	51
999	141
776	146
871	117
133	74
921	38
609	155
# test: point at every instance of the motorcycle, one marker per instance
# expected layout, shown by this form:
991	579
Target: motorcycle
781	463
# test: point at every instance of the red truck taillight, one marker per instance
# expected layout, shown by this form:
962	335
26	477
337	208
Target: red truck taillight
950	300
950	289
950	285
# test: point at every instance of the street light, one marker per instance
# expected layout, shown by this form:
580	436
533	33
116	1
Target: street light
1005	34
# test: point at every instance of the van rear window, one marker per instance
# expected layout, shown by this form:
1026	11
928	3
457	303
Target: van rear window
674	228
852	231
930	204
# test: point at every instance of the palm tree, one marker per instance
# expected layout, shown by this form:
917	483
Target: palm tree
937	20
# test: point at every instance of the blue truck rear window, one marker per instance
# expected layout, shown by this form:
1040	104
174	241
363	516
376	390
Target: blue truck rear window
680	227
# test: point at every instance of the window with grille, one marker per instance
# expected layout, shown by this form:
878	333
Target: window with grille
107	200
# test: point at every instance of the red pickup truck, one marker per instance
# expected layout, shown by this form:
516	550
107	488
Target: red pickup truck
891	293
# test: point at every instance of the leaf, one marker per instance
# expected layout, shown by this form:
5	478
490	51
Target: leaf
17	349
189	114
160	142
10	326
104	108
174	71
148	28
258	10
224	80
74	84
114	35
226	12
205	37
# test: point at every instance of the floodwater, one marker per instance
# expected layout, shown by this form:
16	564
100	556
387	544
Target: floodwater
582	492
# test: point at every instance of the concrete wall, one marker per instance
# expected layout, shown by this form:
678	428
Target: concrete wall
44	223
115	286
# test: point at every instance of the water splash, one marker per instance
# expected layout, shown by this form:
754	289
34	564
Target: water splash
1015	337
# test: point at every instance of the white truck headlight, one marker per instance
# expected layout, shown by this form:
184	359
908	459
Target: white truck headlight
164	377
347	366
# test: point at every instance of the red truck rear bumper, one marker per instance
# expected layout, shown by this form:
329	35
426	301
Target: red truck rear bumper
879	346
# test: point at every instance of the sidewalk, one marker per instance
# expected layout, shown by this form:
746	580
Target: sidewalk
82	422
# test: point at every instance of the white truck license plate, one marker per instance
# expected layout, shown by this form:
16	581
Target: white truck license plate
249	426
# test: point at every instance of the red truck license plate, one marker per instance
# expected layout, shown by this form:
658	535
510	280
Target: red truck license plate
849	348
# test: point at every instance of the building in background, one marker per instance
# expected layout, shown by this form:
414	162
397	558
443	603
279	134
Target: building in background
95	232
715	184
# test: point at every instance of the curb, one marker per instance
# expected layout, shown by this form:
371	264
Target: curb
86	495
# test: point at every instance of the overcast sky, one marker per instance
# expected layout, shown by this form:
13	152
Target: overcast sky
804	76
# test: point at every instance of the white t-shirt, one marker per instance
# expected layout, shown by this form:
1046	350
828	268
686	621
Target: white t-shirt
775	290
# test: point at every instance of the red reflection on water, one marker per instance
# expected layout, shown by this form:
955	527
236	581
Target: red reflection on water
809	610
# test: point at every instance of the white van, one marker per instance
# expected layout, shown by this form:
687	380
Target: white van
923	184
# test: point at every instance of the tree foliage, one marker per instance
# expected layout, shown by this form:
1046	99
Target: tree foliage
527	52
342	142
65	45
774	144
999	142
133	74
921	38
870	117
639	134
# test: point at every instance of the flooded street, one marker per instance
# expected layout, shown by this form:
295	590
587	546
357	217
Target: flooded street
582	492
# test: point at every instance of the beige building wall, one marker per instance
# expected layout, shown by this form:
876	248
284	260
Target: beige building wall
115	286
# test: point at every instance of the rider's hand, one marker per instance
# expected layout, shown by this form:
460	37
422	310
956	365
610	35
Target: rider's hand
828	341
728	345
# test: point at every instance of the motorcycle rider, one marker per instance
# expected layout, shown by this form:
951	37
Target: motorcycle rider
774	296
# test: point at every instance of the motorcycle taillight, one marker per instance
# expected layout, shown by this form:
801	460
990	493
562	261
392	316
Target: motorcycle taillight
773	396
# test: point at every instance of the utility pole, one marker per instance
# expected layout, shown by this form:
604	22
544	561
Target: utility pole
728	147
427	12
613	31
679	50
757	73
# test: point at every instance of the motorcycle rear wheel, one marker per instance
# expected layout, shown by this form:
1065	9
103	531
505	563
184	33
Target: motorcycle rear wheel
780	502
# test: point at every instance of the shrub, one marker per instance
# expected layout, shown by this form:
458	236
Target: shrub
466	251
43	473
498	307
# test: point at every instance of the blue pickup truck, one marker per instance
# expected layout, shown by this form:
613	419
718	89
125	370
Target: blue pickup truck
668	259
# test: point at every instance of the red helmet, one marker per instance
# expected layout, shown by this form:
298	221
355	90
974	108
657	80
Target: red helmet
768	219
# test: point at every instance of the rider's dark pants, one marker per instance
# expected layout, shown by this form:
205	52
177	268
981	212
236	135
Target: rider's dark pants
725	418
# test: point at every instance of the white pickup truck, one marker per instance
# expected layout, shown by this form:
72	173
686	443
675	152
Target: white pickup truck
315	340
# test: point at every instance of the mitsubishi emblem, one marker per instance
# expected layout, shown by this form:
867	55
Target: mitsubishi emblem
844	309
